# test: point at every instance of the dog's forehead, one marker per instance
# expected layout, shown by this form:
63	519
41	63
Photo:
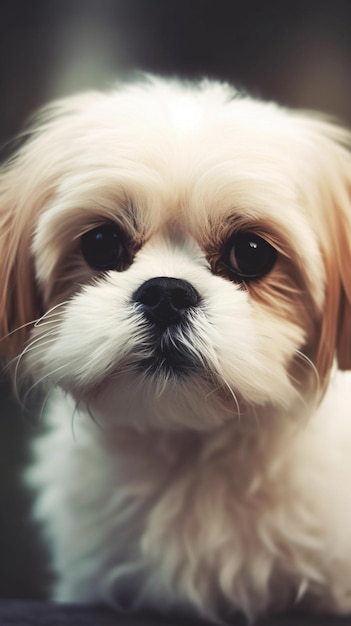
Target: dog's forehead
175	154
185	153
185	163
184	137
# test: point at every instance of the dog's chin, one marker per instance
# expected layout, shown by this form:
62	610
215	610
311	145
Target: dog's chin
168	390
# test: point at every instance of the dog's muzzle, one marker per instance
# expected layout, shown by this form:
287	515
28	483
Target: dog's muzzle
166	305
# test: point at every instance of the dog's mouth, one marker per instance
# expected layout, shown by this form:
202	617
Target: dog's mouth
166	363
172	354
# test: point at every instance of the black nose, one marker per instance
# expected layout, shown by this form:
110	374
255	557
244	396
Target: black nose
164	300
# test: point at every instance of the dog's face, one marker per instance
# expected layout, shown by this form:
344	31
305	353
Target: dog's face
185	252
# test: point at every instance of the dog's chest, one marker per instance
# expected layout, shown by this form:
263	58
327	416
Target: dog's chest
227	524
240	519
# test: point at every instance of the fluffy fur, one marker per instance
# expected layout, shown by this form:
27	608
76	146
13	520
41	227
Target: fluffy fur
219	487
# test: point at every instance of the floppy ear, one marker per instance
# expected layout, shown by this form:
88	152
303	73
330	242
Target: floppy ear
27	183
335	241
344	331
18	301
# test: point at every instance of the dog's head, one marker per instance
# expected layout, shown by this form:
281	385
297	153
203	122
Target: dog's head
177	255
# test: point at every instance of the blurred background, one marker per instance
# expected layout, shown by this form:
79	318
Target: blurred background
298	53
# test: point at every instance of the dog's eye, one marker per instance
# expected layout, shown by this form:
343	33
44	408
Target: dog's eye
104	248
249	256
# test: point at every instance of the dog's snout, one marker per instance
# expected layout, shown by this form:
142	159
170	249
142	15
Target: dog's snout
164	300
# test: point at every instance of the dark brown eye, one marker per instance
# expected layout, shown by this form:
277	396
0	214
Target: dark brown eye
250	256
104	248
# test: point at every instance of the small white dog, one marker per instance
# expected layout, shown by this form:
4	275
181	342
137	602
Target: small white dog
176	267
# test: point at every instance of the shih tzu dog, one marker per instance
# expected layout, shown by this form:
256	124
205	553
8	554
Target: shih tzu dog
176	271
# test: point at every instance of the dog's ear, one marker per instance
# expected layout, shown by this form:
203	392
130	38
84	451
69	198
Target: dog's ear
344	320
27	184
335	242
18	301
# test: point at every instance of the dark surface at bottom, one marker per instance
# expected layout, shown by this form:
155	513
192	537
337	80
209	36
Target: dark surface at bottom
17	613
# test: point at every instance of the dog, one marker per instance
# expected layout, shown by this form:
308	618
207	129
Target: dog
175	275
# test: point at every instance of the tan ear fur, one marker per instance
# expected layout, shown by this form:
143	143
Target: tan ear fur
18	301
27	183
335	335
344	332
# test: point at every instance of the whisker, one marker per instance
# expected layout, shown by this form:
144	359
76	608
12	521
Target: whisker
39	381
29	348
92	416
75	410
43	406
233	395
15	330
49	318
36	321
51	312
312	368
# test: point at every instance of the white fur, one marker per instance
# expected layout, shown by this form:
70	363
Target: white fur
180	520
226	489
